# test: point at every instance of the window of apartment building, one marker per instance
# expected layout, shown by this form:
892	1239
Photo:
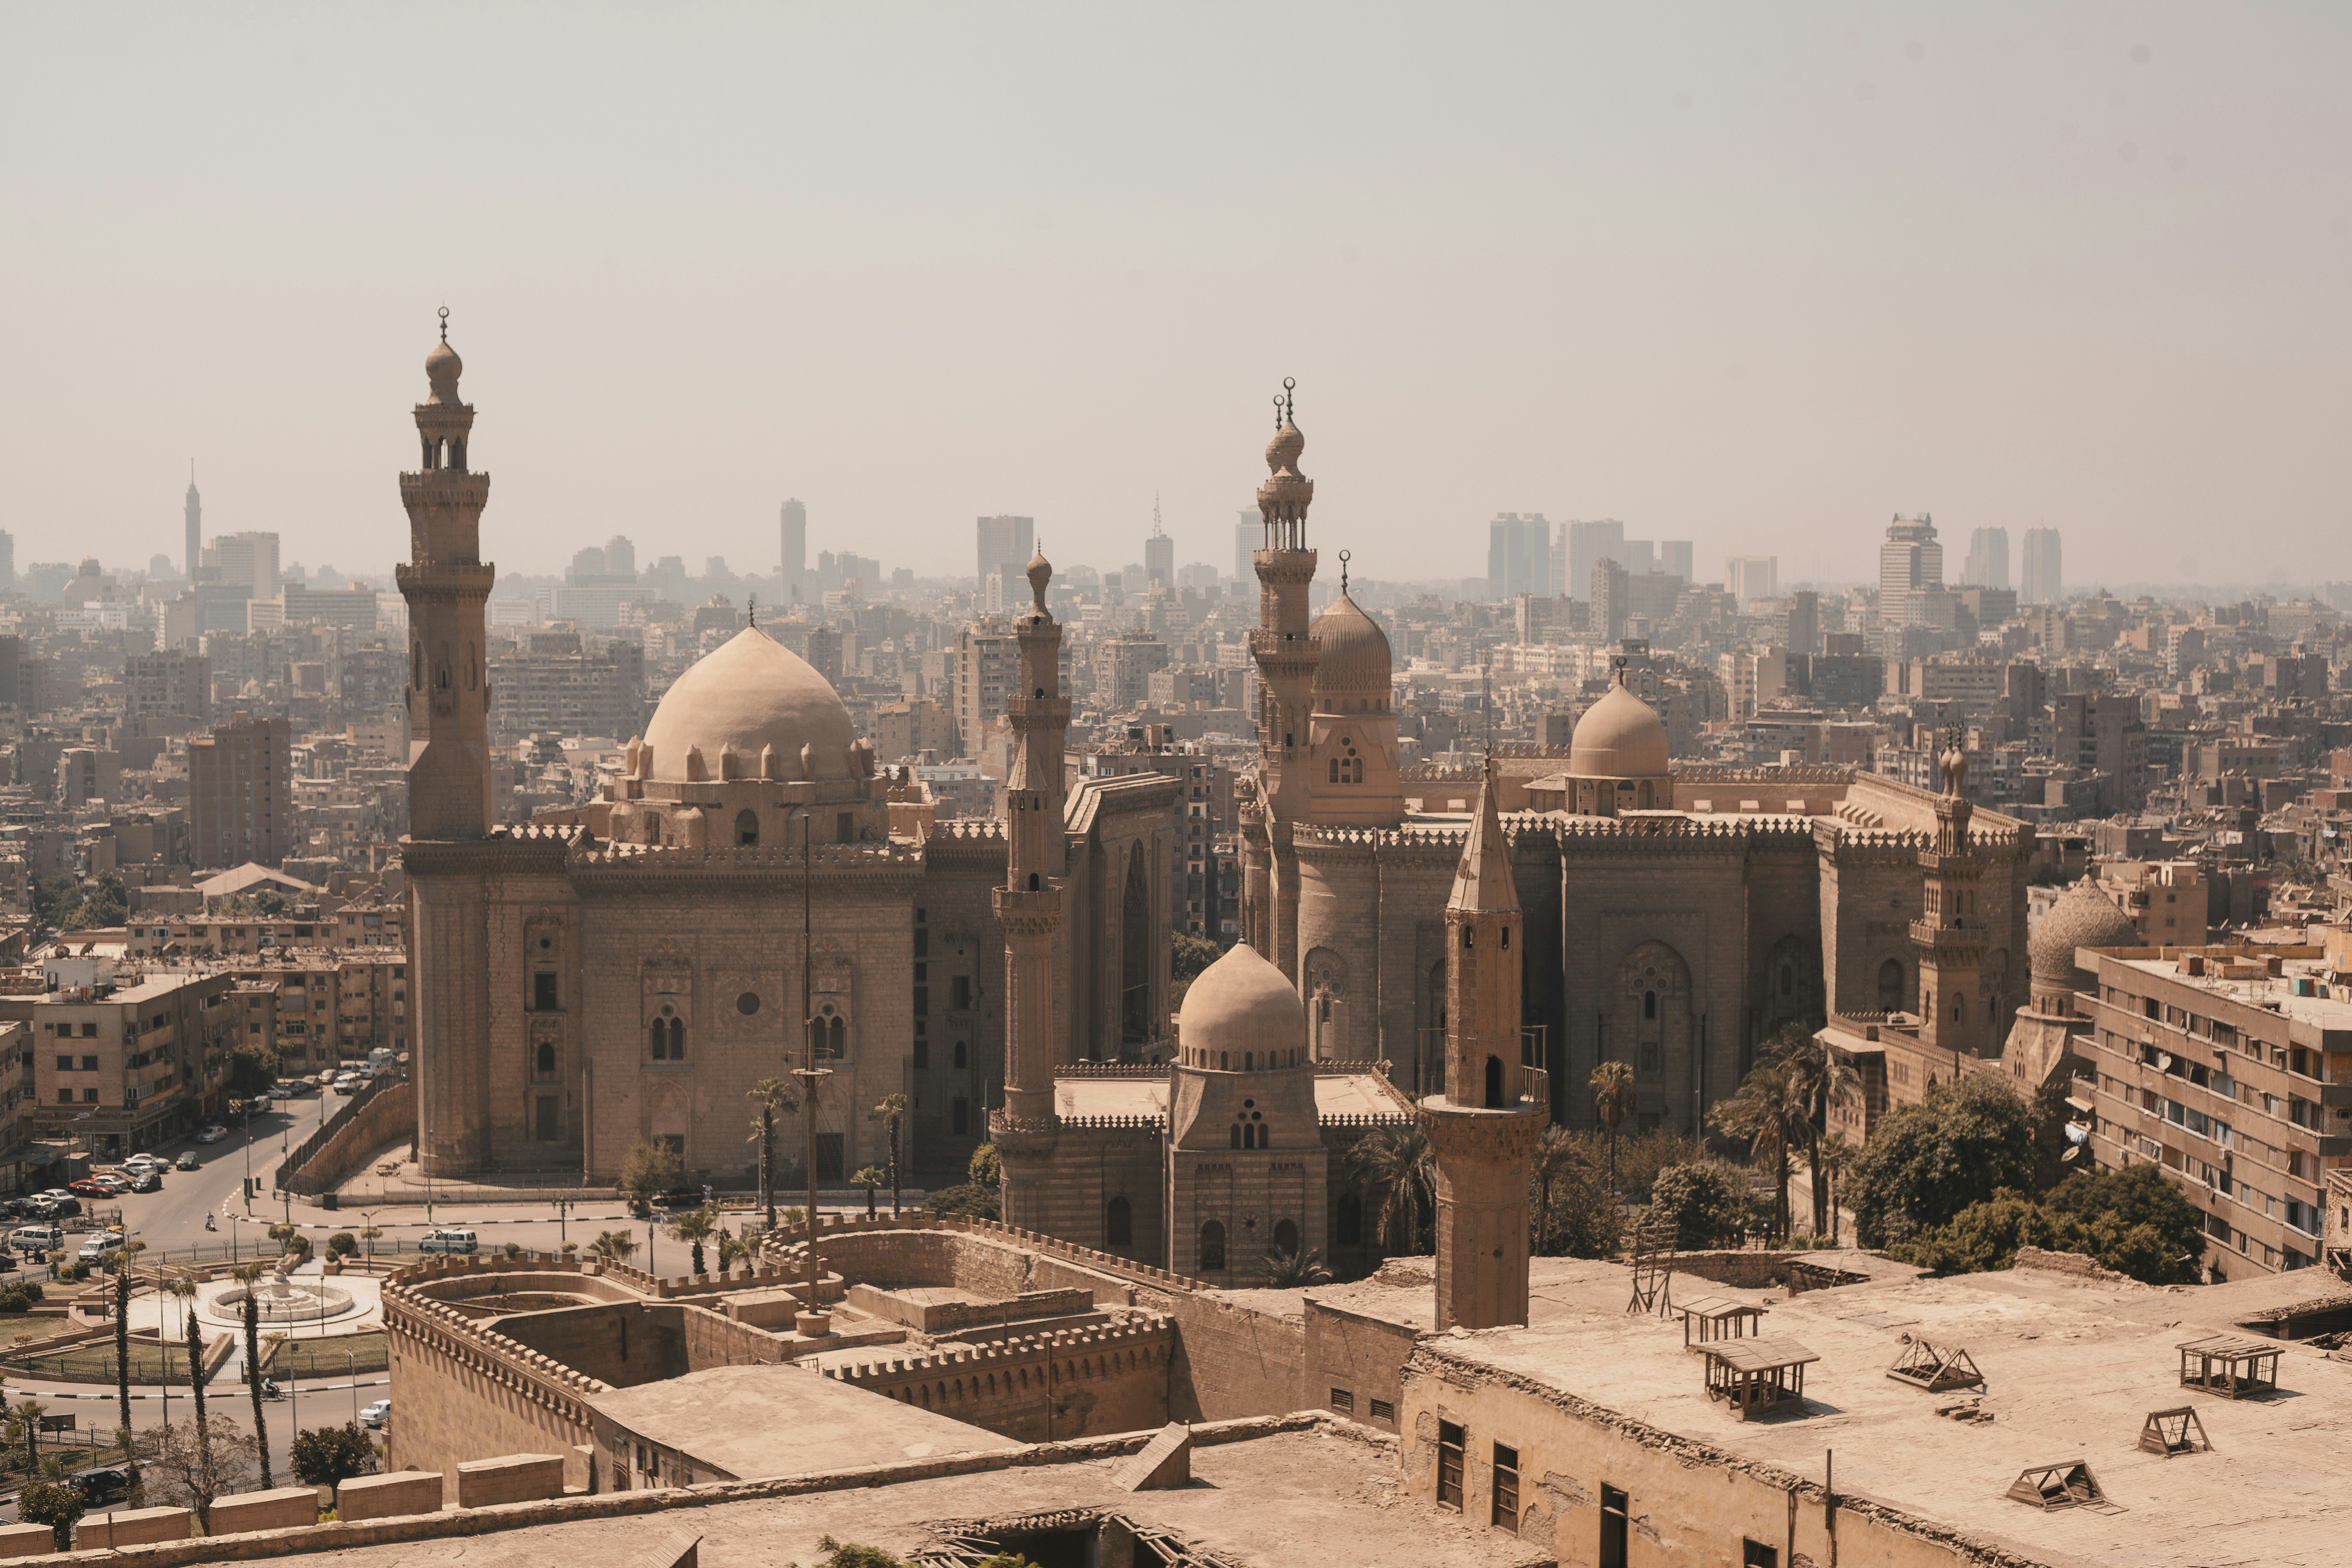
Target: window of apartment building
1507	1489
1615	1515
65	1097
89	1096
1450	1439
89	1064
90	1031
65	1064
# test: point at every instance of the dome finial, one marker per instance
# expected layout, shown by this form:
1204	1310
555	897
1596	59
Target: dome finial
1343	571
1617	669
444	323
751	609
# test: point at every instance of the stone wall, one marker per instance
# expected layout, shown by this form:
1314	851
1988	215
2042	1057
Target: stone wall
389	1115
1356	1363
1039	1388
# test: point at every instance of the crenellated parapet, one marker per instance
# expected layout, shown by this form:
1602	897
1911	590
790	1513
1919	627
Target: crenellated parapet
1143	1341
424	1326
1773	774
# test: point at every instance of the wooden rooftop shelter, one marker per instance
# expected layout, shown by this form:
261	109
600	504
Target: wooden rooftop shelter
2068	1484
1706	1318
2231	1367
2174	1431
1755	1375
1936	1368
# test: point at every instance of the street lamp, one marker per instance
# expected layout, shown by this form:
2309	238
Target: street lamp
812	1076
351	1360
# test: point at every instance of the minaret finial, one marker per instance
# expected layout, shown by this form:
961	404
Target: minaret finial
444	323
751	609
1288	384
1277	412
1343	572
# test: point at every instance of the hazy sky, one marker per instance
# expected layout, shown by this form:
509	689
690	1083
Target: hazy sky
1757	276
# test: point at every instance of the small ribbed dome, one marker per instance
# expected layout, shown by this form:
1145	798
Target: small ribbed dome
442	368
751	692
2084	917
1355	651
1241	1003
1619	737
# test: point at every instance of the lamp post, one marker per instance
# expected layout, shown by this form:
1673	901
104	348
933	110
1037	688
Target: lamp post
814	1320
351	1360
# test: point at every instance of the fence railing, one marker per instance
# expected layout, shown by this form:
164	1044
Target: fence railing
309	1148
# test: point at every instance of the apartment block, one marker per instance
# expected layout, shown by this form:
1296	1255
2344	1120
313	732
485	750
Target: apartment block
128	1066
240	792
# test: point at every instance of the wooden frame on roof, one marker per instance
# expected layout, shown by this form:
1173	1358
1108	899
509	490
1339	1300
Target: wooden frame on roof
1716	1318
1936	1368
2068	1484
2231	1367
2174	1431
1753	1376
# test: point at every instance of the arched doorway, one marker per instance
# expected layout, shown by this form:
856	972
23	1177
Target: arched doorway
1135	953
1212	1247
1890	986
1118	1222
1654	1029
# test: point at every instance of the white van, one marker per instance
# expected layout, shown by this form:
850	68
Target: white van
449	1241
37	1238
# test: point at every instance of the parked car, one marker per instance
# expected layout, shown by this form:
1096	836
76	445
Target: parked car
147	1181
449	1241
92	1187
346	1083
101	1245
376	1414
99	1487
47	1207
188	1162
211	1132
151	1161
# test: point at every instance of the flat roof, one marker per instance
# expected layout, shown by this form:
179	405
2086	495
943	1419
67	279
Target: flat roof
2072	1369
2272	994
775	1419
1336	1094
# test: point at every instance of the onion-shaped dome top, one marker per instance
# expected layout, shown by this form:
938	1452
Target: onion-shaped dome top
1040	572
1241	1003
751	692
1355	657
1619	737
2083	917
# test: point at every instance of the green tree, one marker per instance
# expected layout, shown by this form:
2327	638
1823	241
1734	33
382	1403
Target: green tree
1295	1270
871	1178
1399	1163
649	1169
774	1098
2113	1202
1986	1235
251	1276
693	1227
1613	1101
616	1246
55	1505
1708	1201
893	1111
982	1192
1834	1157
1818	1077
1763	1113
1558	1156
330	1455
1926	1161
1187	955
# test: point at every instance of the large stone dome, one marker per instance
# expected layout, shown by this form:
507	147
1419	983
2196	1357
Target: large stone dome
2083	917
1355	652
1619	737
1241	1004
751	693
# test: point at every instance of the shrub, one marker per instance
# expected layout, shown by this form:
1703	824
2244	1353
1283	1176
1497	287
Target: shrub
513	1249
1708	1201
342	1244
328	1456
47	1502
12	1298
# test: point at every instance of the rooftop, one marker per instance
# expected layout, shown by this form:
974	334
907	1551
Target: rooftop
2073	1367
2246	983
1352	1092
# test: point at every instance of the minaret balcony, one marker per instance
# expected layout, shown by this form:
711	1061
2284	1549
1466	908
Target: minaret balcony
1952	941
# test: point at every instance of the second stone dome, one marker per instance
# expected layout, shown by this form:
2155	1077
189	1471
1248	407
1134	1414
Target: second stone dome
751	692
1355	659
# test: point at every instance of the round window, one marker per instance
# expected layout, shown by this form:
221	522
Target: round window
546	942
748	1003
666	1010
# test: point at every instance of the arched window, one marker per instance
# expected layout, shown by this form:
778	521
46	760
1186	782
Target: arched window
677	1039
1348	1222
546	1062
1249	1134
1033	881
1788	979
1493	1083
961	1059
1286	1237
1468	937
1890	986
1335	771
1212	1247
1118	1222
1507	939
747	828
1238	1134
1649	1004
837	1039
1961	1009
665	1038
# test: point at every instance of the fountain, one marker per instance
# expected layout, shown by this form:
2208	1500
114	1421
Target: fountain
277	1299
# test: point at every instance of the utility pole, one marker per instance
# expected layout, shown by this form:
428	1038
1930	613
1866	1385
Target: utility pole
814	1320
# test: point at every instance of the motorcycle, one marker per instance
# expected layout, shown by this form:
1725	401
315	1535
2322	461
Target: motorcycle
209	1224
269	1389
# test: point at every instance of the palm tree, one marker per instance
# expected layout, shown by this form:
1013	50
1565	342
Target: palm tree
893	1109
1834	1157
27	1417
869	1177
1294	1270
775	1097
693	1227
121	1265
1400	1163
615	1245
1766	1115
1556	1154
184	1289
1613	1101
250	1274
1817	1078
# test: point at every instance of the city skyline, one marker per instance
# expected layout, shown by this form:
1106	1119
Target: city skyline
2086	248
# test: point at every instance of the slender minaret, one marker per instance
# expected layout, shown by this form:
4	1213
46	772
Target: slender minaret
1287	657
1951	937
1029	908
195	510
446	583
1483	1128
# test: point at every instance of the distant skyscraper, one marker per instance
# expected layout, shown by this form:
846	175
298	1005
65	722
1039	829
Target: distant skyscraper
1158	555
1518	555
620	557
1909	561
2045	578
1804	622
1639	558
1004	542
1674	559
7	562
1249	533
1752	577
1988	564
1589	544
794	554
195	510
1607	616
247	559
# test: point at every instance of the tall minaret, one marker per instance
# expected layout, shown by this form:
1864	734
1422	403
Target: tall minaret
446	583
1287	656
1483	1128
1029	908
196	508
1953	1012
